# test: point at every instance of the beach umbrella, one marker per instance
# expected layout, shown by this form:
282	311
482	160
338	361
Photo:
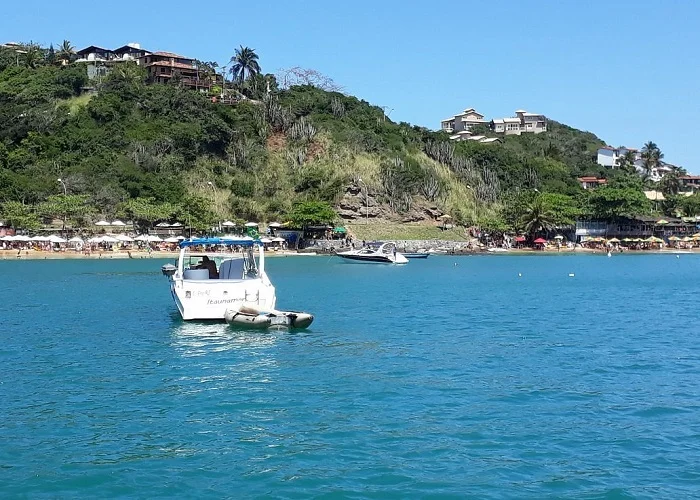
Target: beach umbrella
118	223
76	239
686	239
102	223
7	238
251	224
172	239
674	238
40	238
152	238
654	239
540	241
520	239
163	224
22	237
95	239
265	240
124	238
559	237
141	237
228	223
696	235
627	239
56	239
613	240
180	238
176	224
279	240
274	224
662	221
109	239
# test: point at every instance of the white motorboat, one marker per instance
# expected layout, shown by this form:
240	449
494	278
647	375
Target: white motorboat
384	253
211	278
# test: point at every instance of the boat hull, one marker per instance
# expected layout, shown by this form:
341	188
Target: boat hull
252	317
416	255
210	299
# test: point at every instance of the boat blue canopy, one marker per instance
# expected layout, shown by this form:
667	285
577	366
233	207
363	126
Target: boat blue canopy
244	242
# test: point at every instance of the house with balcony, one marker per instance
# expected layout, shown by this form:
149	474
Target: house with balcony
690	183
464	121
166	67
99	61
522	122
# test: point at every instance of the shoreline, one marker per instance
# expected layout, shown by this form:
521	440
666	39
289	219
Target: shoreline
41	255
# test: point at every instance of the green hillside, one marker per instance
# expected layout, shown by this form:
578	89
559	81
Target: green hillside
153	152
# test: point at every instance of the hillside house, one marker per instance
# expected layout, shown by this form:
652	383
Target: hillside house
100	61
163	67
589	182
522	122
464	121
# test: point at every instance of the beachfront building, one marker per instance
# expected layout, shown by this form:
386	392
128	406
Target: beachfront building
464	121
100	61
591	182
633	227
522	122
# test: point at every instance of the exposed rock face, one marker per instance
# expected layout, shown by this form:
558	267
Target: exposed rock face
355	206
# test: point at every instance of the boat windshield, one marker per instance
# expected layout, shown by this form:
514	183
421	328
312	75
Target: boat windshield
224	265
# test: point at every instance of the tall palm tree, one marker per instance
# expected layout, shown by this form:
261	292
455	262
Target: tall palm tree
245	64
65	51
651	156
537	217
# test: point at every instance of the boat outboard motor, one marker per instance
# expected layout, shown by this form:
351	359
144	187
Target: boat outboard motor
168	270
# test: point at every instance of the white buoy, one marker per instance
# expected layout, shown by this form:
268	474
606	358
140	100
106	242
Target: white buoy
678	256
571	275
520	275
609	254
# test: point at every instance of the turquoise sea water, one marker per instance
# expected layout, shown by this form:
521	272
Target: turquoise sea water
451	377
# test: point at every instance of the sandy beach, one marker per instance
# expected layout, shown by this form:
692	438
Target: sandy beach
41	255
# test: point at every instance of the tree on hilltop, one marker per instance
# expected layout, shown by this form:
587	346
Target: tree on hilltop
245	64
65	51
651	156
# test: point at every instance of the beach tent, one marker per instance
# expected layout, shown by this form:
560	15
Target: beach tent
109	239
56	239
251	224
228	223
76	239
40	238
124	238
176	224
21	237
102	223
117	223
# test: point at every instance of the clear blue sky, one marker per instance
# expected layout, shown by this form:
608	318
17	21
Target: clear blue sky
626	70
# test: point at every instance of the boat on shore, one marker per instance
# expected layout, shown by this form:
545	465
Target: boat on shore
225	279
384	253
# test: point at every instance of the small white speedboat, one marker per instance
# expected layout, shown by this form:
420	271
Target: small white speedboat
249	316
384	253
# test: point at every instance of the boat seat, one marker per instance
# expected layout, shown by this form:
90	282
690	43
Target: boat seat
196	274
231	269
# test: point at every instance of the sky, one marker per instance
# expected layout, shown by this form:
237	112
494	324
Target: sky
626	70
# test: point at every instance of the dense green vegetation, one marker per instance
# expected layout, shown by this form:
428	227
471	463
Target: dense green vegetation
161	152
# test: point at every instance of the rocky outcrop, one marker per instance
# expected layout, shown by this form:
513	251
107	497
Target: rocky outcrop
355	206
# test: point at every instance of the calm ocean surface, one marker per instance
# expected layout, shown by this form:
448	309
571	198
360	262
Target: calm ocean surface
450	377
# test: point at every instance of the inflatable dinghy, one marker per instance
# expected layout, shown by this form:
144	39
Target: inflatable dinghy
252	317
